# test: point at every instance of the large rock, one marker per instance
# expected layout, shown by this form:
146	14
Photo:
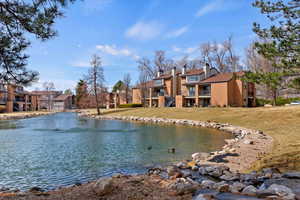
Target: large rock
103	186
250	190
182	186
222	186
200	156
207	184
173	170
237	187
282	191
292	175
205	197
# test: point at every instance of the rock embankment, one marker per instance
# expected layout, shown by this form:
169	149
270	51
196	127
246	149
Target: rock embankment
238	154
218	182
14	116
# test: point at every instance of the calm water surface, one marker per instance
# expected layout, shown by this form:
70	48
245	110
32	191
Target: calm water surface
62	149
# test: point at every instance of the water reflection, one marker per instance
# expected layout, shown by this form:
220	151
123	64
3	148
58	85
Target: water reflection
62	149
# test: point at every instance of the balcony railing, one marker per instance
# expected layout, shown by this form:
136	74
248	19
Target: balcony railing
205	93
3	100
159	82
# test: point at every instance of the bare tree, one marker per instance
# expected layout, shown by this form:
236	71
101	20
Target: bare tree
142	85
127	82
160	63
220	55
95	79
49	87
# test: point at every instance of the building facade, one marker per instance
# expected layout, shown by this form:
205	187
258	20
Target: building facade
46	98
62	102
14	98
196	88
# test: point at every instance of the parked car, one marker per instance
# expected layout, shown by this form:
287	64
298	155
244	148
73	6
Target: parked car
295	103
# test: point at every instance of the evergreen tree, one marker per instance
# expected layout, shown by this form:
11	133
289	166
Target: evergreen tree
19	20
281	43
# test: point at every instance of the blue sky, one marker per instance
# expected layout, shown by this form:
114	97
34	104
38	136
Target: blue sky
122	31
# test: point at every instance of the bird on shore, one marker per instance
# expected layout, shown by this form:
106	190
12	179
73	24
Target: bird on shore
171	150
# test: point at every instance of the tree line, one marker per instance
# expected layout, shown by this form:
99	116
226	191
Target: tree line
273	60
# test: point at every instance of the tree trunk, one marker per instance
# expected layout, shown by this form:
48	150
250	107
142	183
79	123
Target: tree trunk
96	94
274	96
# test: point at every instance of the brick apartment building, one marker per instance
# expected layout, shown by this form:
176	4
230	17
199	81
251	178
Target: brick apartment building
197	87
54	100
15	98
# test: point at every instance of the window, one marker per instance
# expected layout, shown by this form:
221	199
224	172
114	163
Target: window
158	82
205	91
193	78
191	91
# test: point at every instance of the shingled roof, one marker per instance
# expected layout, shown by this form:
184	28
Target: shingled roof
222	77
62	97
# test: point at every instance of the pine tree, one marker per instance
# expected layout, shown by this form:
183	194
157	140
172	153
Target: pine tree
19	20
280	43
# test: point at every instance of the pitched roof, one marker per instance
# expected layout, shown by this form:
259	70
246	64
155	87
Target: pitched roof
194	72
62	97
222	77
148	84
46	92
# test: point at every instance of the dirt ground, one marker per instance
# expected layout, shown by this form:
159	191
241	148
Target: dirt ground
142	187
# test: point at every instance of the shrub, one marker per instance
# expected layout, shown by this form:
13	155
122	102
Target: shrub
262	102
280	101
130	105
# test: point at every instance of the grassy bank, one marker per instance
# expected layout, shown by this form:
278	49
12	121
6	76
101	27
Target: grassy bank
282	123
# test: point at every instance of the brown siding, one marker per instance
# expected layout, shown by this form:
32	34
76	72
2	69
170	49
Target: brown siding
161	101
219	94
168	85
184	90
136	95
179	101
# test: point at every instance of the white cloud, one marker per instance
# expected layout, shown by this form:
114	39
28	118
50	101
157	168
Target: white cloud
178	32
214	5
189	50
144	30
113	50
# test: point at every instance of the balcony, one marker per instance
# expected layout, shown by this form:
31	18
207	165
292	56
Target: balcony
158	83
205	93
19	99
3	100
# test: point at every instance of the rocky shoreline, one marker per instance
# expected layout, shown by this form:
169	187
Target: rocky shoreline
238	154
15	116
206	176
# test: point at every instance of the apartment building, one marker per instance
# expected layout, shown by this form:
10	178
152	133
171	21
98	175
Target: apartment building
15	98
46	99
196	88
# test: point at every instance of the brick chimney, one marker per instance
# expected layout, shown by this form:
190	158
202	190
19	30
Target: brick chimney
206	70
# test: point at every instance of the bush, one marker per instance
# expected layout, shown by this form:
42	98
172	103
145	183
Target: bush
280	101
130	105
262	102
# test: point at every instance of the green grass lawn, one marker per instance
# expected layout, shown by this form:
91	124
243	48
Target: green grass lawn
282	123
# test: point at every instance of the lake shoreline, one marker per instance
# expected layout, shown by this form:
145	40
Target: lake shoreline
250	145
184	180
23	115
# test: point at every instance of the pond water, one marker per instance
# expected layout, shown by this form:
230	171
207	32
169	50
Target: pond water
63	149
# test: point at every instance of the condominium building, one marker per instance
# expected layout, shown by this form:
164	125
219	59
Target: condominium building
196	88
15	98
